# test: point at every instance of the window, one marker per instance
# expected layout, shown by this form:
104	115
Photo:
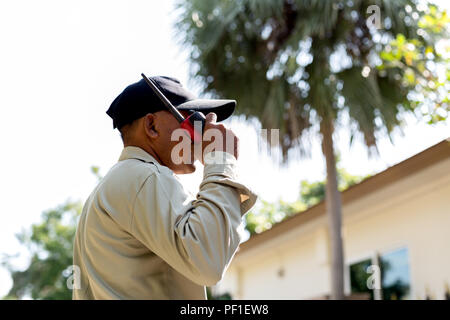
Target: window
394	273
359	276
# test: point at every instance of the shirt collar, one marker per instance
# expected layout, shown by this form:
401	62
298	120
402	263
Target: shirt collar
132	152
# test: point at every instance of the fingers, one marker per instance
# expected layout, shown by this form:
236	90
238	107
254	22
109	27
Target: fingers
219	139
211	117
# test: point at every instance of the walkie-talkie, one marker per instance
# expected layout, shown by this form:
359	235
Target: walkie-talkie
188	123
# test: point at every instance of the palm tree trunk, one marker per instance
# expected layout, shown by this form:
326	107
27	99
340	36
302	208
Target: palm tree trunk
334	212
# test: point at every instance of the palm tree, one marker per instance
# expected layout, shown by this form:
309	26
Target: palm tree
294	63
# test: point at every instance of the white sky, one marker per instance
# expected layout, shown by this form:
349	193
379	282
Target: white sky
61	65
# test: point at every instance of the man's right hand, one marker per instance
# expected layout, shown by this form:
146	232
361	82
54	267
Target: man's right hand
217	137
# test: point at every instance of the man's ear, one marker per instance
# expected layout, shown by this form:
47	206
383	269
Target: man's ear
149	126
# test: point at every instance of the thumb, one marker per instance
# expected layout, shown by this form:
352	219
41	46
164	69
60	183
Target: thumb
211	117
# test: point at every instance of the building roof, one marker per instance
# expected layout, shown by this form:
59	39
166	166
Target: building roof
416	163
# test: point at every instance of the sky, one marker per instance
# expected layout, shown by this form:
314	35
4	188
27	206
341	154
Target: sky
61	65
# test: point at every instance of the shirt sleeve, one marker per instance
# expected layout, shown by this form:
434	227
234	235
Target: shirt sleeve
197	237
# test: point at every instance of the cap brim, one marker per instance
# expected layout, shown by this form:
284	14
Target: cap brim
221	107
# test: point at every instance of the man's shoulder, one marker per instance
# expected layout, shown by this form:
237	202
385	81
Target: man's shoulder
127	178
138	165
116	192
130	171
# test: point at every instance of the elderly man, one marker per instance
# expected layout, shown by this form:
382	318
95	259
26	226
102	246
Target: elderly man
141	235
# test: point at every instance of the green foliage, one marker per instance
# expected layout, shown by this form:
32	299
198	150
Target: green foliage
426	70
293	63
314	192
95	170
50	244
266	214
223	296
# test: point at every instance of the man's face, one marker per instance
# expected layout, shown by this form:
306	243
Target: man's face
165	124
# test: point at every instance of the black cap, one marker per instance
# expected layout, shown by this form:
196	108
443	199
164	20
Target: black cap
138	99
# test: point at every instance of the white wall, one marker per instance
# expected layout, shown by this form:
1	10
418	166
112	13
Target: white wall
412	213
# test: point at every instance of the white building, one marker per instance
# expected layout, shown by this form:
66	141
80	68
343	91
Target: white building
399	217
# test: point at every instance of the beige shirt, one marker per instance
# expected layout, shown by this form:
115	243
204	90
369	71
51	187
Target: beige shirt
142	236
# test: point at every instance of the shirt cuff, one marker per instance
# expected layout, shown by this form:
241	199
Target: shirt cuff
221	167
219	162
